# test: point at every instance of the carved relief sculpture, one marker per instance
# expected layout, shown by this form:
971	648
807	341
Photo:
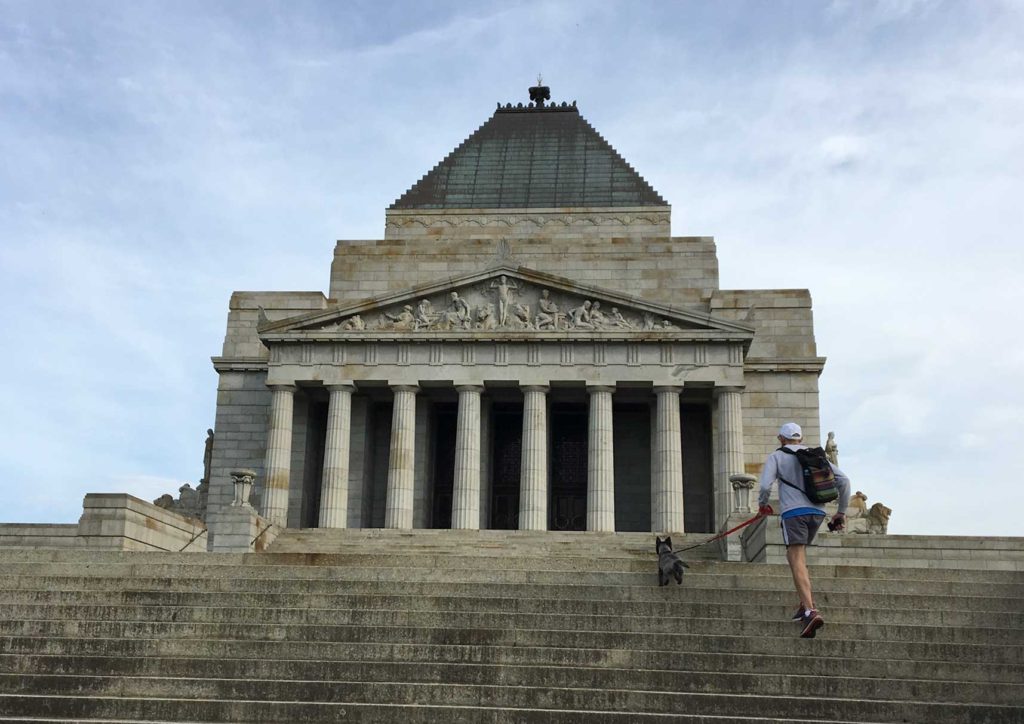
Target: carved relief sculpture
505	304
504	293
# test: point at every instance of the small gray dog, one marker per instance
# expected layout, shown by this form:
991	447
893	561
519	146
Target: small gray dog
669	564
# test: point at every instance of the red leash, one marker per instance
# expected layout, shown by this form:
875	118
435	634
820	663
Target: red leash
744	524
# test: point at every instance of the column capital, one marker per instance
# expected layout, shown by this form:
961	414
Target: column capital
663	389
282	388
535	388
729	388
405	388
341	387
593	389
469	387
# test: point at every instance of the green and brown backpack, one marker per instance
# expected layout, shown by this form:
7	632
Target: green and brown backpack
819	481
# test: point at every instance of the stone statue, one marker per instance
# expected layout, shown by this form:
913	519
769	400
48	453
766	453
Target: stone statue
861	519
520	317
831	449
207	456
548	316
597	317
617	320
485	317
504	293
191	502
404	321
424	315
457	315
355	322
579	317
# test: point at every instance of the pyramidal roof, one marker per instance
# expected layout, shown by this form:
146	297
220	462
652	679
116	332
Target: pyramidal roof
533	156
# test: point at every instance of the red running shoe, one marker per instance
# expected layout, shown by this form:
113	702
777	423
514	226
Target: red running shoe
813	621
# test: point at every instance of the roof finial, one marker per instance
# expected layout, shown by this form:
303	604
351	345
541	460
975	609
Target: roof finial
540	92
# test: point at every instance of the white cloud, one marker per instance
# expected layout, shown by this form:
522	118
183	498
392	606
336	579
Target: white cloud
161	156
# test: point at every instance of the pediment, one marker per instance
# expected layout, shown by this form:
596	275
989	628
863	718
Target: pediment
506	300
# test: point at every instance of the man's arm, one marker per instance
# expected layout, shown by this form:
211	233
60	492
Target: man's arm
769	473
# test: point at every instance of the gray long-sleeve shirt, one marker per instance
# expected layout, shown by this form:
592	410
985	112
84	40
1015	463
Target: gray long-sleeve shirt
790	498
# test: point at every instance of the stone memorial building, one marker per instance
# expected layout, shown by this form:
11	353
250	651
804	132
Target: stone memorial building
527	347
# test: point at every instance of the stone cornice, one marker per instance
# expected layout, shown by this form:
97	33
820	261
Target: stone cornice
575	336
239	364
788	364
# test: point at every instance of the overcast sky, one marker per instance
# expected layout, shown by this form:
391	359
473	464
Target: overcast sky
154	157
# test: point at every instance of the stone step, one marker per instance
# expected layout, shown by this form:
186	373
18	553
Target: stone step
189	564
905	661
744	637
476	612
84	709
633	678
768	604
306	699
515	583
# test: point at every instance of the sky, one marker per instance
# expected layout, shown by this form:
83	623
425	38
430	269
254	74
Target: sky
157	156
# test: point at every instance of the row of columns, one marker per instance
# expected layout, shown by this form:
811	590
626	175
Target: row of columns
667	459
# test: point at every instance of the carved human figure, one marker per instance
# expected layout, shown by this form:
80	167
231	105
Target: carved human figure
548	316
404	320
579	317
355	322
457	314
618	320
831	449
424	314
667	325
597	317
504	293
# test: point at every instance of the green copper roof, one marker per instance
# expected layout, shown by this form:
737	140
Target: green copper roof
546	157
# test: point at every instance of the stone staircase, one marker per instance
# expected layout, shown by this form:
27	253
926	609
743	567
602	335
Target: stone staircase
491	626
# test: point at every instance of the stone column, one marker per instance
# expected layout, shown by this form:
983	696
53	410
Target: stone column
398	513
600	461
466	488
533	485
277	465
667	475
334	485
730	427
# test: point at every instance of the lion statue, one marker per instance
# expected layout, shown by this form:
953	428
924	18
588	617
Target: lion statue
862	519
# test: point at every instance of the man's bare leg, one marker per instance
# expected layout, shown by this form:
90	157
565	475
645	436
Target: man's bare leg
797	557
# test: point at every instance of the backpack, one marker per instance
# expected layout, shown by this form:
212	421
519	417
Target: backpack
819	482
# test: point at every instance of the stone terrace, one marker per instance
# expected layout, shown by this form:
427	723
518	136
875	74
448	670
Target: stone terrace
489	626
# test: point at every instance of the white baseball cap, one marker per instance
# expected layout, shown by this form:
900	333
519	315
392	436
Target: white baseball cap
791	431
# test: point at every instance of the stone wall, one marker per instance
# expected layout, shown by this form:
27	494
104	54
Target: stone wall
240	437
241	340
113	521
678	271
39	535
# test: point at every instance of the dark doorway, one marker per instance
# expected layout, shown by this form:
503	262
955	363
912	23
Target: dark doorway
507	423
313	466
697	469
568	510
445	426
